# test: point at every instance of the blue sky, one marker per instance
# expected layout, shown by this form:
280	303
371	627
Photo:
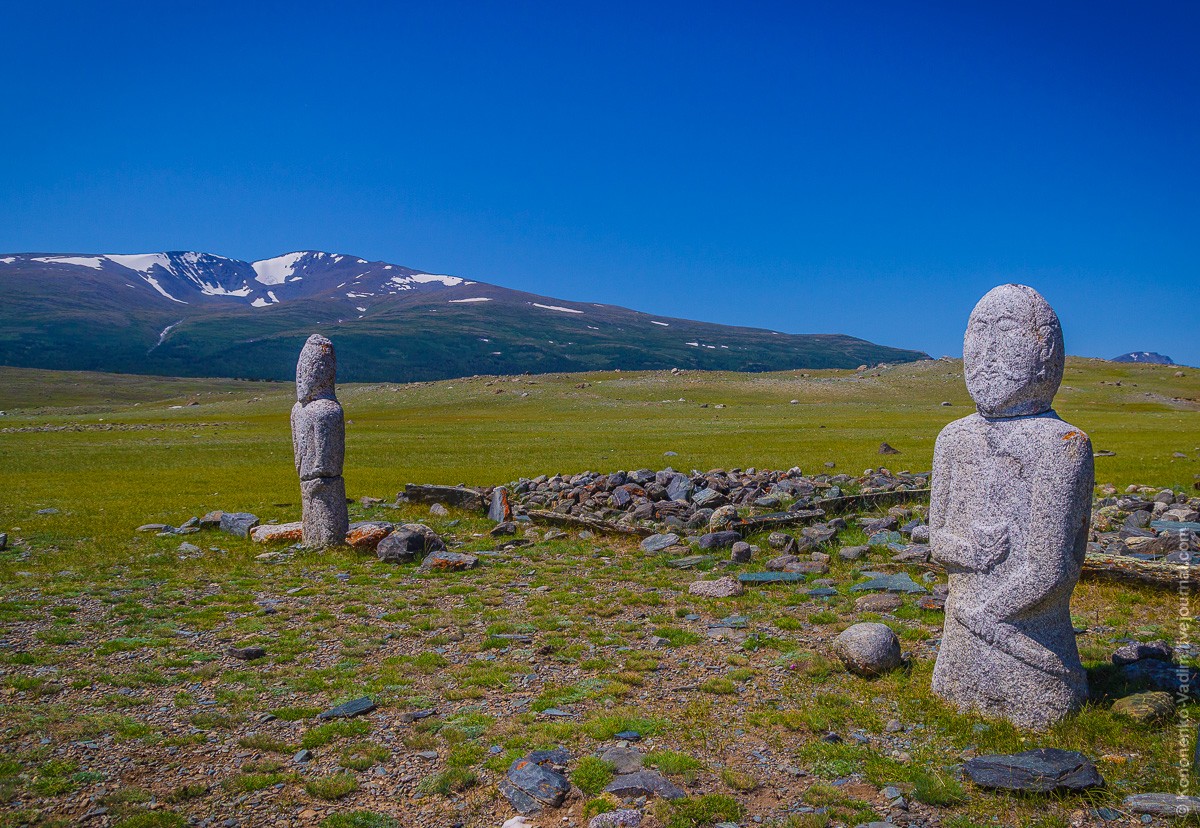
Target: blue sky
853	167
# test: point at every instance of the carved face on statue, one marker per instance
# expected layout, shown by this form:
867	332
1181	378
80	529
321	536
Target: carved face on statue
1013	353
316	370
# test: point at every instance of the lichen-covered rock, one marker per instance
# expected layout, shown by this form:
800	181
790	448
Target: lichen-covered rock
868	649
879	602
722	518
1148	708
622	818
367	534
449	561
1009	516
278	533
721	588
500	509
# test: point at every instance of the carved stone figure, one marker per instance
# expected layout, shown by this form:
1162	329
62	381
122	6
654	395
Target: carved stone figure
1009	515
319	440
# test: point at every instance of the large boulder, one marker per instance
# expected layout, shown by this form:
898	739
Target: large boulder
367	534
449	561
868	649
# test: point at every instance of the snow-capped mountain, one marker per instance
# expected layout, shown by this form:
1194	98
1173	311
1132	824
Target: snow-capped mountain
188	277
200	314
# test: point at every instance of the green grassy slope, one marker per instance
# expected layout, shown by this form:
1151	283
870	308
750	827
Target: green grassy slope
135	459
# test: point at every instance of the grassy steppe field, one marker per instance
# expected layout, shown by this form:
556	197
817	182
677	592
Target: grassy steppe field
116	690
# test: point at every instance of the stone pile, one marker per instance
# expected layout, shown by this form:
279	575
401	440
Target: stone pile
1146	524
688	501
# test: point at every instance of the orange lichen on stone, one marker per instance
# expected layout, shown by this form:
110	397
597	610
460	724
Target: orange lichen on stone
367	537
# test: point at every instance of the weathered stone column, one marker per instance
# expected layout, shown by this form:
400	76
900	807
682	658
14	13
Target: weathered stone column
1009	515
319	440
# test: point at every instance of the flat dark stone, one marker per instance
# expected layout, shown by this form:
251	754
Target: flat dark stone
1163	804
770	577
529	787
350	709
643	783
629	736
900	582
238	523
417	715
1163	675
448	495
247	653
689	562
720	540
822	592
1175	524
1042	770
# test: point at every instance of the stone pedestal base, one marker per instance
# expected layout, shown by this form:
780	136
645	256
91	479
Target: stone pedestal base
326	519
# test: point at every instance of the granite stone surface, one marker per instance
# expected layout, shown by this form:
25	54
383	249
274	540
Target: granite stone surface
319	442
1009	515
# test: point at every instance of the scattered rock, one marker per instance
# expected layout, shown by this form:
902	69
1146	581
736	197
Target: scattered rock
868	649
1163	804
247	653
1147	708
349	710
1130	653
278	533
643	783
899	582
884	448
500	509
657	543
720	540
449	561
622	818
624	760
721	588
238	523
438	510
367	534
852	553
408	542
530	787
741	552
1042	770
878	602
458	496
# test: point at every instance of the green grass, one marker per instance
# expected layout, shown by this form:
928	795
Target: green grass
117	628
333	787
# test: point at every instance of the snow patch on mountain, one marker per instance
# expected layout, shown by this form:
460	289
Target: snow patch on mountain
664	324
472	299
276	271
8	260
555	308
141	262
94	262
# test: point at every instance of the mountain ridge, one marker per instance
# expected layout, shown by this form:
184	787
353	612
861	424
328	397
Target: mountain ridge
202	314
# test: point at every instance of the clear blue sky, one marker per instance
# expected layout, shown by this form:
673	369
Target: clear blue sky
870	168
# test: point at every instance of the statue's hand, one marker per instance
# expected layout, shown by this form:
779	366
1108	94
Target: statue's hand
990	544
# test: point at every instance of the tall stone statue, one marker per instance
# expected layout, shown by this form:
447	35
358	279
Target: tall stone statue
319	440
1009	515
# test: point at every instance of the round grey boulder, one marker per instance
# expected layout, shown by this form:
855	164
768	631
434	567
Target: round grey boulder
868	649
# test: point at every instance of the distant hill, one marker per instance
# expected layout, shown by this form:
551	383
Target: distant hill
198	314
1144	356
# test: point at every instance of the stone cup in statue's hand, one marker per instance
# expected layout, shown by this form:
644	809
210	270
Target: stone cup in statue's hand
991	544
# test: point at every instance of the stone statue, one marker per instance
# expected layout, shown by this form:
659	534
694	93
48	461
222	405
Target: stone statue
1009	515
319	440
